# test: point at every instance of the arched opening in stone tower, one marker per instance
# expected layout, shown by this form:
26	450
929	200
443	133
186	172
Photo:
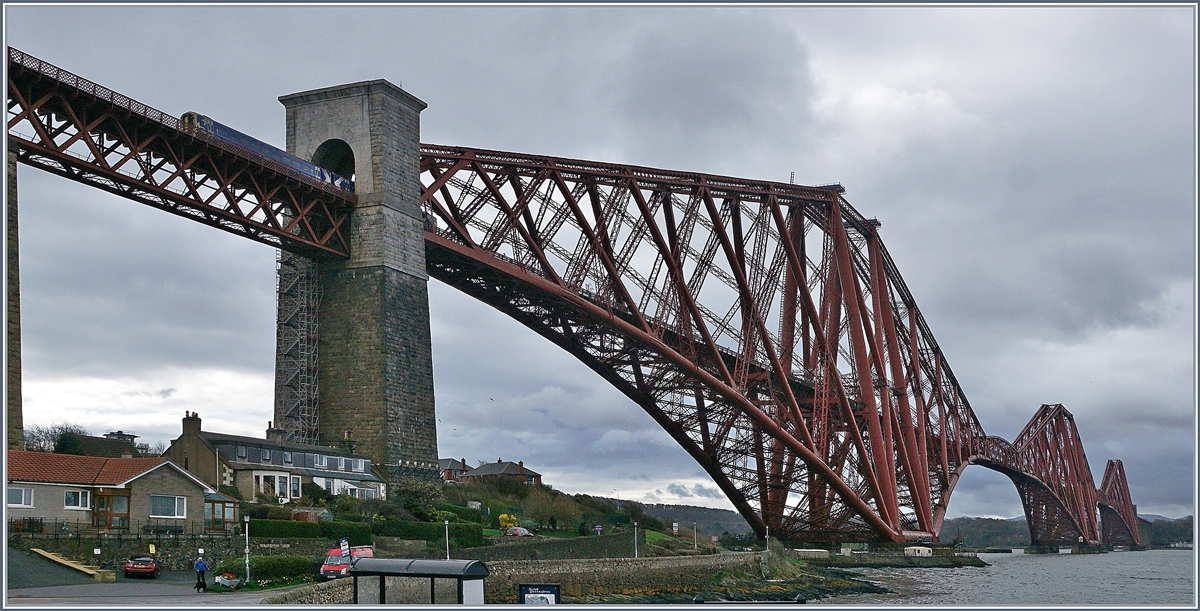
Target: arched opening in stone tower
335	155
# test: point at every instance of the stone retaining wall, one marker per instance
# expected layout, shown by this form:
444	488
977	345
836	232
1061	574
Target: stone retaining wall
577	578
175	553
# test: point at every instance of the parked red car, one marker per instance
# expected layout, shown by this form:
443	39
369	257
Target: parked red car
146	566
336	565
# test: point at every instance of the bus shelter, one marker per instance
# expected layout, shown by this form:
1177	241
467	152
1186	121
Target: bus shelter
469	575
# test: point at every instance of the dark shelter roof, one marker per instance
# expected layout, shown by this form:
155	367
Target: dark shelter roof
408	567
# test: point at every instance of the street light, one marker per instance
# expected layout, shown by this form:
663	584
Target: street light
447	522
635	554
695	537
246	520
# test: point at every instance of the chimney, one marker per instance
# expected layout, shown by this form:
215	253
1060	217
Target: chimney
191	423
347	442
274	434
521	467
464	464
126	453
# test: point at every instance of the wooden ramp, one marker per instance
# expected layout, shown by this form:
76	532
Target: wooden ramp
96	572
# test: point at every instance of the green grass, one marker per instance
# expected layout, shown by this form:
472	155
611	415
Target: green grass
491	532
654	535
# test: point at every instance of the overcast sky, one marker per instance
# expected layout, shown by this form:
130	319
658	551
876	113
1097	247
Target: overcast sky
1033	168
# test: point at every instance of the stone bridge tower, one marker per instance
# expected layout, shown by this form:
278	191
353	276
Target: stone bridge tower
354	362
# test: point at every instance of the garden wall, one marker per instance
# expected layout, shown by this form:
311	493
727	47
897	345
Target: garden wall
175	553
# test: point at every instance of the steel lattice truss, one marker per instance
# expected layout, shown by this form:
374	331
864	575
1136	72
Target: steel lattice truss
1117	511
763	325
74	128
1047	463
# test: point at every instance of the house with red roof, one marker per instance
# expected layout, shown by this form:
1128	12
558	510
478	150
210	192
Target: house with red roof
64	491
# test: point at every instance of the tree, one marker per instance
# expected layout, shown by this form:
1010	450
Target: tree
69	443
44	438
147	450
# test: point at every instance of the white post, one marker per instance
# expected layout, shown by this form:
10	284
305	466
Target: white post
246	521
695	537
635	554
767	543
447	539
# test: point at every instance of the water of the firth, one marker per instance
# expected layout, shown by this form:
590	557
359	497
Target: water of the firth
1154	577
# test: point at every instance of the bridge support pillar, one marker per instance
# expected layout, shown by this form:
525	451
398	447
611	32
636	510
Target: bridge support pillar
16	438
374	366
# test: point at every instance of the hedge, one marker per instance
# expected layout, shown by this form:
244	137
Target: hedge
359	533
463	534
270	567
466	513
284	529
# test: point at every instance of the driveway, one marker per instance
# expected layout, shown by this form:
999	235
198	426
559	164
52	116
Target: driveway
33	580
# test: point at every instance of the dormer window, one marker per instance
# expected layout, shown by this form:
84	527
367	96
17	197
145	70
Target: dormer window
321	460
287	457
241	452
266	455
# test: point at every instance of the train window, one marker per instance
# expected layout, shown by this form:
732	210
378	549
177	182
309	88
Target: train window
335	155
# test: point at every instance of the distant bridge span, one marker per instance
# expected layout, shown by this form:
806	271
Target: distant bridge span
762	325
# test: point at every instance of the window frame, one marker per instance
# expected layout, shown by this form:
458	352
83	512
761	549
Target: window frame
265	456
84	498
23	490
241	452
287	457
178	499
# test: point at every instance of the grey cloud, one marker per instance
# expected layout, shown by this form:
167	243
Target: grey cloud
711	492
679	490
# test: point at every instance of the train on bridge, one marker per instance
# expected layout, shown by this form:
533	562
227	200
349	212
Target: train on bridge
195	120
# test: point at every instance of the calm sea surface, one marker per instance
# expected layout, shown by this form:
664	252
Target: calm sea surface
1154	577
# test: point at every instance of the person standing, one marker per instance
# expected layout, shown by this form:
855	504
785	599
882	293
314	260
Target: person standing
201	567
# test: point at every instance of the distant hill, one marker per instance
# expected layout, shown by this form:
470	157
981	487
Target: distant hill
708	521
1150	517
986	532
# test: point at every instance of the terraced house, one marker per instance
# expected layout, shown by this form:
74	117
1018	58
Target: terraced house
272	468
66	493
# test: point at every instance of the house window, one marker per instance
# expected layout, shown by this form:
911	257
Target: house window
287	457
76	499
20	497
367	493
322	460
282	481
242	452
359	464
266	455
168	506
296	487
329	486
268	484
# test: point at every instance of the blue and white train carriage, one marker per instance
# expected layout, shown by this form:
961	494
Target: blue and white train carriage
194	120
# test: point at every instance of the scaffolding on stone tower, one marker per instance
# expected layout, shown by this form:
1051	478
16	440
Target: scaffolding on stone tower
296	406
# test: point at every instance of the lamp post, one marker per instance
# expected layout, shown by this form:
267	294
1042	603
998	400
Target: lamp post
635	554
447	522
695	537
246	529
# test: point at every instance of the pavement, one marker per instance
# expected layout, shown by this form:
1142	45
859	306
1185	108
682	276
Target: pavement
32	580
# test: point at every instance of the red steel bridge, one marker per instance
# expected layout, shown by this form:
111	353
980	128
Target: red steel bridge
763	325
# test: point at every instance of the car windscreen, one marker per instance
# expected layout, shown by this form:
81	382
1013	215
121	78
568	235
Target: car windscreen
331	559
142	560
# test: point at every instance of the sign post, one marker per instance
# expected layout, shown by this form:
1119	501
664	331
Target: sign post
345	545
538	594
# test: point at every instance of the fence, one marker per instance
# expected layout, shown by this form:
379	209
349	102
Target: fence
135	528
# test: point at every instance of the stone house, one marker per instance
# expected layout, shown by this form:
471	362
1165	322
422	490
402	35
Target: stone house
503	469
272	468
63	491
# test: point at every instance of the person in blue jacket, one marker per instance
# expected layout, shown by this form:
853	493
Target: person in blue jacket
201	567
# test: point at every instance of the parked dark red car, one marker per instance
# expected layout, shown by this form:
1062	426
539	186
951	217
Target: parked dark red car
146	566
